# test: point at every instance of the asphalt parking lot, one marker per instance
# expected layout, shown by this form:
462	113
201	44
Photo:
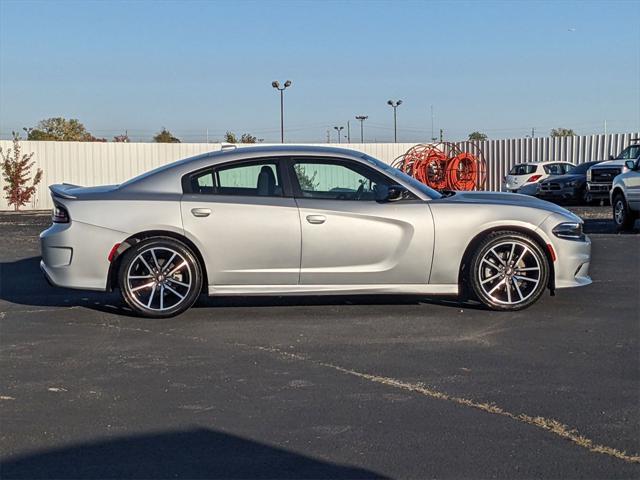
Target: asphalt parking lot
337	387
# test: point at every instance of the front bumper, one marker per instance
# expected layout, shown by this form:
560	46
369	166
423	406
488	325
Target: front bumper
74	255
565	193
599	190
573	258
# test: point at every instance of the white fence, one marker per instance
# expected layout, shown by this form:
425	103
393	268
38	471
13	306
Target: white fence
85	163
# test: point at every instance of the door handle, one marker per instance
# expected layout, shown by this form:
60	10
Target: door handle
316	219
201	212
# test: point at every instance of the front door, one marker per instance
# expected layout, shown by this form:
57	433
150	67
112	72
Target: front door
247	229
350	238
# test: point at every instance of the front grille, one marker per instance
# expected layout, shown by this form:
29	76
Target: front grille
550	186
604	175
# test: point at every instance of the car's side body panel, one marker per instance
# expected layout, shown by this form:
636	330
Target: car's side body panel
365	242
245	240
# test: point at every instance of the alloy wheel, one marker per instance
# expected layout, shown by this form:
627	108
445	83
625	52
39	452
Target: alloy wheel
509	272
159	278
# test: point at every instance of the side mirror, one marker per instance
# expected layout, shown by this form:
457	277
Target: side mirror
611	157
389	193
631	165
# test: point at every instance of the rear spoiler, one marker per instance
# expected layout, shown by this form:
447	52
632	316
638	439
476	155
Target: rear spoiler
61	190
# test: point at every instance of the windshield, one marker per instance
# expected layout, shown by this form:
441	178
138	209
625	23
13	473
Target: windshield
630	153
394	172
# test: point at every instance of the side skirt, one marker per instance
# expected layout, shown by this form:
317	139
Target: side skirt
419	289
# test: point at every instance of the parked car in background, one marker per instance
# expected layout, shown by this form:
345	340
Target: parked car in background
600	177
625	196
524	177
570	187
303	220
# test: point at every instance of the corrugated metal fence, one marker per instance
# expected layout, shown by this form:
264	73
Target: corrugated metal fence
84	163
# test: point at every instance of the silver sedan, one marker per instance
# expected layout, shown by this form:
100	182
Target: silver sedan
293	220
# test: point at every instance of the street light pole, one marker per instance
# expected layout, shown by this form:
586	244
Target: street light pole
395	106
276	84
339	130
361	118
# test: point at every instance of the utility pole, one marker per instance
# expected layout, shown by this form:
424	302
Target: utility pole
339	130
533	132
328	136
207	135
361	118
605	127
441	134
348	132
432	123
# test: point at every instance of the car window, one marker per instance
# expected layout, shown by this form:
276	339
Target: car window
630	153
260	178
336	180
555	169
522	169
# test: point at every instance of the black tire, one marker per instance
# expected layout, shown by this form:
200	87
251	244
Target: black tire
138	283
622	216
514	288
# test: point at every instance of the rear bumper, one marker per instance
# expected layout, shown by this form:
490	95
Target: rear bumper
74	255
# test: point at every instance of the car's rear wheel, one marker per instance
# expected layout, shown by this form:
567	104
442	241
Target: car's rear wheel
160	277
509	271
622	216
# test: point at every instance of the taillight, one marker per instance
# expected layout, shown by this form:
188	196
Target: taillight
534	178
59	214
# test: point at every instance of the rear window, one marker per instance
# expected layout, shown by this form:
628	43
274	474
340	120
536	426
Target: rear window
523	169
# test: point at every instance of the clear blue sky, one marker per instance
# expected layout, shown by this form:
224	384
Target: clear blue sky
497	67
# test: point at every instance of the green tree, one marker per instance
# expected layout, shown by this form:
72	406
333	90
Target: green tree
165	136
247	138
61	130
562	132
479	136
230	137
16	173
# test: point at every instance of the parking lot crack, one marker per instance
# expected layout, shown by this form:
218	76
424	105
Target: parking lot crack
550	425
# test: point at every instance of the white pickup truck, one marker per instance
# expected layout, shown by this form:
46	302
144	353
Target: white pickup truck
625	196
600	177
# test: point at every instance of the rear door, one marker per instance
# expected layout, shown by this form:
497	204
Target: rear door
245	222
350	238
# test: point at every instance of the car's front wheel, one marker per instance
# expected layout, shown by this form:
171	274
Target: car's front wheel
508	271
160	277
622	216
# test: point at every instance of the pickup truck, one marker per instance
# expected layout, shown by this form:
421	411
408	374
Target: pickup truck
600	177
625	196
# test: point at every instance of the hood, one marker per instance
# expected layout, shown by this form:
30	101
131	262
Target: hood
610	163
511	199
566	178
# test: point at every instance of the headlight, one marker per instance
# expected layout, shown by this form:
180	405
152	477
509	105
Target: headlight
569	231
589	175
573	183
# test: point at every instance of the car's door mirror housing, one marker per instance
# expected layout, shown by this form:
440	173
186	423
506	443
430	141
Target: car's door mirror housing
631	165
611	157
390	193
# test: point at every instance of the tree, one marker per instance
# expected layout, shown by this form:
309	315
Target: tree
16	171
165	136
61	130
124	138
562	132
306	182
230	137
479	136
